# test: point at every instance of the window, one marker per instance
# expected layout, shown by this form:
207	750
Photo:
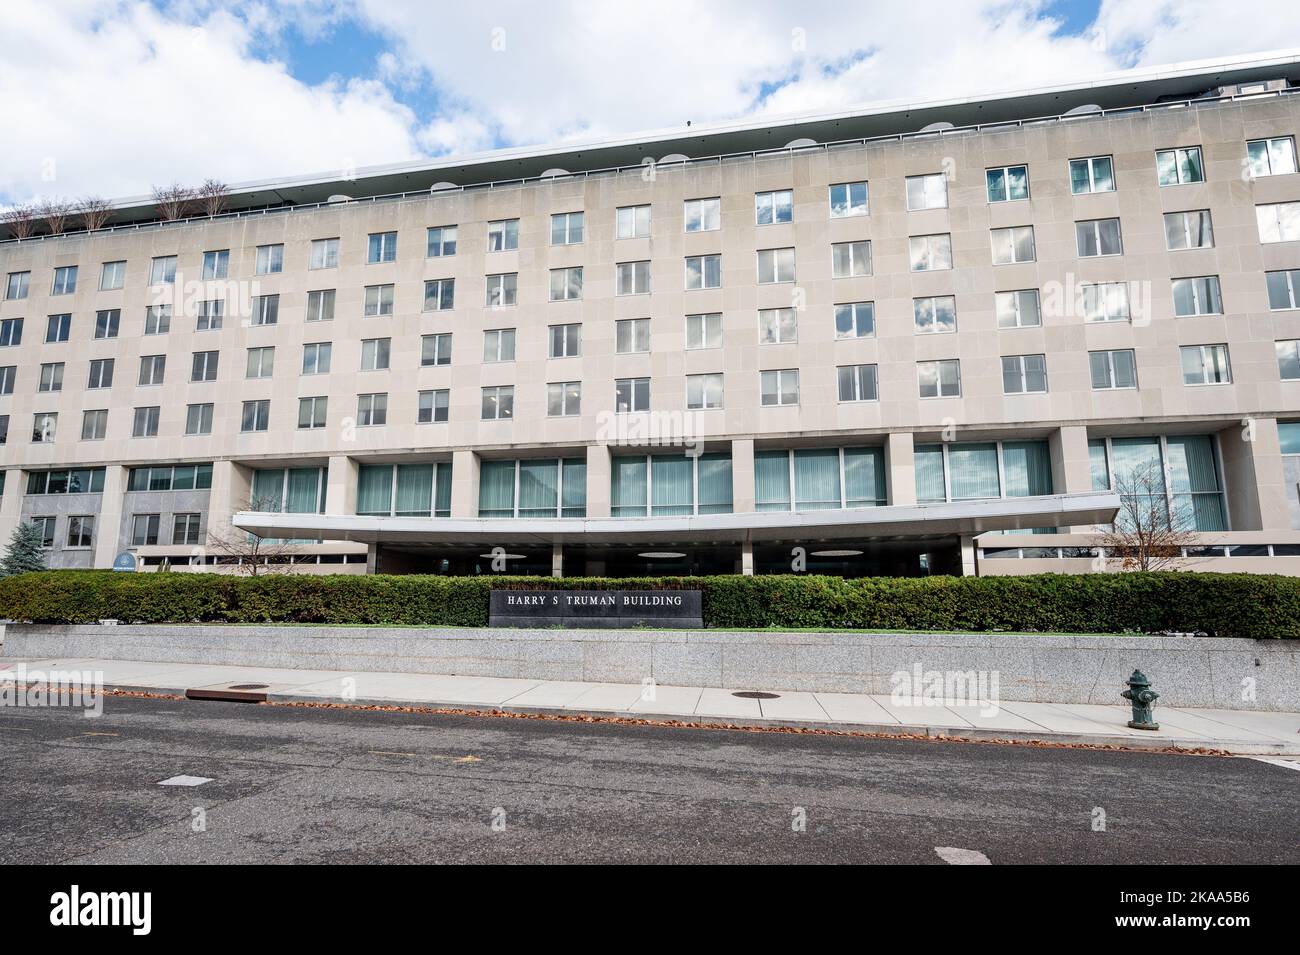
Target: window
1188	230
94	424
11	332
145	422
58	328
212	315
261	362
498	403
185	528
152	369
440	241
1279	222
433	406
564	398
375	353
632	278
1018	309
17	284
631	335
112	276
1288	360
203	367
180	477
927	192
320	305
435	349
499	344
1197	296
107	322
101	373
665	485
402	490
566	341
858	382
4	438
1205	365
502	290
1098	237
632	222
566	284
1177	166
381	247
503	235
291	490
76	481
1105	302
566	228
144	530
848	199
855	320
51	377
316	358
266	309
939	379
850	258
704	331
931	252
157	319
1271	157
822	479
312	412
81	530
779	387
704	392
935	315
533	488
7	375
703	215
379	300
198	418
1024	374
1183	468
771	208
269	260
439	295
1094	174
1112	369
1013	245
216	265
162	270
777	325
1283	289
972	471
703	271
46	527
324	254
372	410
775	265
631	394
65	280
1007	183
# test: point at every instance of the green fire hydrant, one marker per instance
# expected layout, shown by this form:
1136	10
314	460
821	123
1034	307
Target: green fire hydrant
1140	694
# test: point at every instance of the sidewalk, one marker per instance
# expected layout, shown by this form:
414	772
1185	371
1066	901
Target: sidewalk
1235	731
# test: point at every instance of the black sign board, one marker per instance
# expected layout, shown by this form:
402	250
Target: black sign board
595	608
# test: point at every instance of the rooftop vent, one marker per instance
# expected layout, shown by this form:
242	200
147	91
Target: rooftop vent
555	173
443	186
800	143
937	127
339	197
1083	110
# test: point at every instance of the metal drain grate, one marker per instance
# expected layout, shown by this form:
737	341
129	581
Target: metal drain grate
756	695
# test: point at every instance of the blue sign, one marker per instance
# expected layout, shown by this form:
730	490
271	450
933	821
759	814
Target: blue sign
124	561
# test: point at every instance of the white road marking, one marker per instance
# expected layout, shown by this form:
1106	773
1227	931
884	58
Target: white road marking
184	781
954	856
1275	761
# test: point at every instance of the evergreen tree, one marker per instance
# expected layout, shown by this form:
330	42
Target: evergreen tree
25	550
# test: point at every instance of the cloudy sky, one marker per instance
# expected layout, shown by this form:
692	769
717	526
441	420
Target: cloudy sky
109	97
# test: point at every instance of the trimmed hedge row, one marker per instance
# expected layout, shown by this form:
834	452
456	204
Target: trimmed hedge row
1237	605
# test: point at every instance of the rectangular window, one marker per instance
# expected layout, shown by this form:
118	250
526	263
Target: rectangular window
1095	174
7	375
1013	245
939	379
203	366
316	358
779	387
145	422
632	335
771	208
632	278
1175	167
1105	302
1098	237
375	353
703	271
101	373
533	488
185	528
260	363
162	270
665	485
631	394
566	228
1283	290
16	285
152	369
1279	222
1007	183
76	481
1271	157
266	310
45	525
112	276
848	199
157	319
927	192
704	331
320	305
212	315
181	477
632	222
855	320
1188	230
81	530
777	325
216	265
502	289
850	258
435	350
498	403
563	398
379	300
58	328
403	490
94	424
1288	360
821	478
198	418
433	406
11	332
144	530
1197	296
372	410
269	260
775	265
1205	365
704	392
929	253
1113	369
324	254
566	284
1024	374
51	377
381	247
1166	481
566	341
312	412
935	314
65	280
1018	309
439	295
440	241
499	344
858	382
703	215
503	235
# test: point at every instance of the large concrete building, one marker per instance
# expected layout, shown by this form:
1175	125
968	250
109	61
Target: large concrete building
926	338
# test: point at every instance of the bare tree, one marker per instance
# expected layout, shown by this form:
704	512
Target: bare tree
173	202
94	212
20	220
213	197
1149	532
54	213
253	555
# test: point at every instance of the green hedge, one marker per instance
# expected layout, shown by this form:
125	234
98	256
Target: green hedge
1241	605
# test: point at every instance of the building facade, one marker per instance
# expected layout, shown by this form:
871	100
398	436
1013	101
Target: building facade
953	347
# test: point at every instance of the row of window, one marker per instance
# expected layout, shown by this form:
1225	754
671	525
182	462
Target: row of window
186	529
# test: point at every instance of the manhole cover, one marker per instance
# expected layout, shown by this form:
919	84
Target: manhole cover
249	686
756	695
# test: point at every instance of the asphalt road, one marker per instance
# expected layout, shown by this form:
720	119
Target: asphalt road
342	786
